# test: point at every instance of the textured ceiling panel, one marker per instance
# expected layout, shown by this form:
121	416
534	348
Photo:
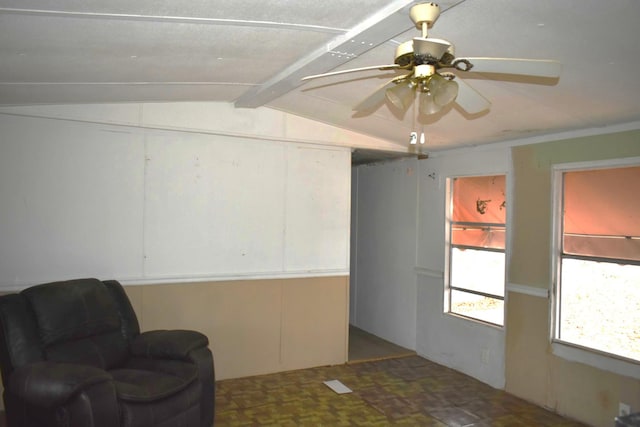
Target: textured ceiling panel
369	34
92	94
77	50
329	13
257	51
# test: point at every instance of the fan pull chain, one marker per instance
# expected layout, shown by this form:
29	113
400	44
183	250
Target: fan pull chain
416	118
413	137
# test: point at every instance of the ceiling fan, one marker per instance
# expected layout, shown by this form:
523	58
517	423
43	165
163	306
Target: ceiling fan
430	62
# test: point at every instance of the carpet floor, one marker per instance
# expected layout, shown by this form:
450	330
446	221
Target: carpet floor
364	346
390	386
407	391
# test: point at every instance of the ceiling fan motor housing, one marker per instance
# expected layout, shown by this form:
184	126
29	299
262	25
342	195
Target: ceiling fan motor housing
404	54
421	50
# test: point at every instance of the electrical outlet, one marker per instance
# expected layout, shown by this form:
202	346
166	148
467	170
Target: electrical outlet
623	409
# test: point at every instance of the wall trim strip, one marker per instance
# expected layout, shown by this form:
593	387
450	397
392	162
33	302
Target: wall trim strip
596	359
423	271
161	280
528	290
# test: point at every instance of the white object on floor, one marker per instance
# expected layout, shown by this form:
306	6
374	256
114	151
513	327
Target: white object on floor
337	386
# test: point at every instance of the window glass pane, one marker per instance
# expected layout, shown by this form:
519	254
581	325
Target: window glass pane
479	307
600	306
478	270
475	280
482	237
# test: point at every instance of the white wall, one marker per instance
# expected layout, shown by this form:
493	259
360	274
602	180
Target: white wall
353	267
470	347
397	272
146	205
383	288
71	201
236	225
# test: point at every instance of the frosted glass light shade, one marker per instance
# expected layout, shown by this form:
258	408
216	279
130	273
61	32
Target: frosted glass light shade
447	93
444	91
428	105
401	95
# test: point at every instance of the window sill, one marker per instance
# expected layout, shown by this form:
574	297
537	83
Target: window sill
596	360
474	320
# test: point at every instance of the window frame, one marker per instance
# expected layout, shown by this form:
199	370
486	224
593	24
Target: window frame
564	349
449	225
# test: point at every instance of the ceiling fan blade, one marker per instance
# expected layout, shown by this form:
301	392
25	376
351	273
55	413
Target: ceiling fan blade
470	99
353	70
374	100
527	67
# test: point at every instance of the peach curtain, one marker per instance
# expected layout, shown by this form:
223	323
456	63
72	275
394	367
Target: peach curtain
602	213
479	211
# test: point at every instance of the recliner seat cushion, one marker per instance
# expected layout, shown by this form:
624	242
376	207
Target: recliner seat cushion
187	371
135	385
146	380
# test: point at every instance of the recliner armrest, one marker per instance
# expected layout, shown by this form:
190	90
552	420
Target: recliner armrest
162	344
49	384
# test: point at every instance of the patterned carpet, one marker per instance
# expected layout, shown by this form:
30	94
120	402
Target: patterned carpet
407	391
364	346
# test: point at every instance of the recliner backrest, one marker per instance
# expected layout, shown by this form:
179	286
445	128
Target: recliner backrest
19	338
78	322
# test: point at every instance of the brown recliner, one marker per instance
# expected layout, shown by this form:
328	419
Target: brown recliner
72	355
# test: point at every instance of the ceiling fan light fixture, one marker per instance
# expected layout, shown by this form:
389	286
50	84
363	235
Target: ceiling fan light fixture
401	95
428	105
445	91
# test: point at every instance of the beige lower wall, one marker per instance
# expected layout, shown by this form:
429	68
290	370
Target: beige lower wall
532	370
589	394
573	389
527	347
255	326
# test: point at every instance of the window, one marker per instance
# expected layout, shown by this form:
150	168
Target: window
597	295
476	240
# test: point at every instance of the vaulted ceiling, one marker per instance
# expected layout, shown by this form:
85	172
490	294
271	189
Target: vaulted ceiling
253	53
